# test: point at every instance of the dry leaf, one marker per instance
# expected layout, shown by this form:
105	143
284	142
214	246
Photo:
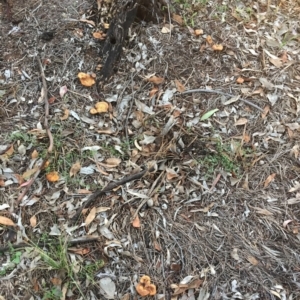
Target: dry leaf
240	80
34	154
52	176
156	80
91	216
113	161
252	260
79	251
217	47
209	39
153	92
241	121
269	180
86	79
179	86
63	90
263	211
156	246
277	62
88	22
75	169
26	175
6	221
178	19
33	221
165	30
265	112
51	100
246	138
66	115
136	222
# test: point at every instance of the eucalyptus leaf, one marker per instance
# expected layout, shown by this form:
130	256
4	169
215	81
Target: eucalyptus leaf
208	114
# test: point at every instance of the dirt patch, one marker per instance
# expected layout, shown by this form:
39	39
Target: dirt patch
216	214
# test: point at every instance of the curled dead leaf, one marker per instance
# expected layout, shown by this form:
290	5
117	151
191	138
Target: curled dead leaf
33	221
241	121
269	179
156	80
179	86
75	169
86	79
178	19
66	115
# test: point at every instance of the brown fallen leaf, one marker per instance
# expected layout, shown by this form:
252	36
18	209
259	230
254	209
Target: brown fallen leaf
269	179
75	169
153	92
179	86
263	211
91	216
178	19
79	251
156	80
34	154
265	112
33	221
66	115
6	221
241	121
136	222
252	260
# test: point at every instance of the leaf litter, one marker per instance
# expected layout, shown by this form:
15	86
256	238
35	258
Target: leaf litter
223	197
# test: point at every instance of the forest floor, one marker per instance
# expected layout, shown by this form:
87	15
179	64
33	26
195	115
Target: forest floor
203	189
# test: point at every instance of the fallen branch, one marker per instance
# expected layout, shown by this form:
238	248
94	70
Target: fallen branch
221	93
109	187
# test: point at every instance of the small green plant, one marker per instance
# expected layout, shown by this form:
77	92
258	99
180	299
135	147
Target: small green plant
15	260
22	137
54	294
221	157
90	269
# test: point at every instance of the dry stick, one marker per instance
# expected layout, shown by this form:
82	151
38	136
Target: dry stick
109	187
44	94
73	242
221	93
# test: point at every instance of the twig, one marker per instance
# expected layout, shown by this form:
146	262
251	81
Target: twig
220	93
109	187
44	94
73	242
